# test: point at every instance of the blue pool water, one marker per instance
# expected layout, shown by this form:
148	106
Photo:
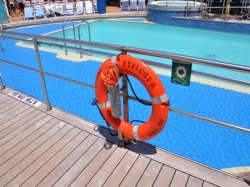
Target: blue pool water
212	45
204	142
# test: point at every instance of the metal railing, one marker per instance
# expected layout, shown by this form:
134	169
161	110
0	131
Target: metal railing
79	33
64	36
123	50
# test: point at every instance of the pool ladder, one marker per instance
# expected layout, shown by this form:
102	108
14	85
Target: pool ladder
79	33
64	35
74	31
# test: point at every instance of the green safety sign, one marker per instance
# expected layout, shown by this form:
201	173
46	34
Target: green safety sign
181	73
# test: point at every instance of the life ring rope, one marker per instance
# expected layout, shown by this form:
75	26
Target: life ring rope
108	75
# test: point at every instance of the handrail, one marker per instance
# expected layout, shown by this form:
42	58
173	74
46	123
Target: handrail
79	33
124	50
148	62
178	57
63	29
133	98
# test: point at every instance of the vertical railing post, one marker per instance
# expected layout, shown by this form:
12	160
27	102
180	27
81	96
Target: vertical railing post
125	94
1	83
64	37
41	74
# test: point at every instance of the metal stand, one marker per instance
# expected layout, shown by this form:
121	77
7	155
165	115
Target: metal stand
2	87
41	75
125	107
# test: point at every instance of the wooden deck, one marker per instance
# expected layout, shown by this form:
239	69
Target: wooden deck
39	148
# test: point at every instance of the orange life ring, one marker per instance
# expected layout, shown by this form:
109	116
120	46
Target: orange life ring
160	104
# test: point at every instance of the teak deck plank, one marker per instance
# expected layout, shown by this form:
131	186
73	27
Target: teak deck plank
207	184
34	155
28	149
150	174
8	109
20	127
90	162
44	158
57	149
105	171
135	172
194	182
14	112
4	103
180	179
7	144
14	123
121	170
15	137
90	145
40	174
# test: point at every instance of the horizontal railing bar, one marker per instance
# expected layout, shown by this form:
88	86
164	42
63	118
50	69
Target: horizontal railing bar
19	65
133	98
182	58
237	81
49	74
69	80
222	7
189	59
78	49
62	46
146	61
199	117
92	44
210	120
203	74
13	38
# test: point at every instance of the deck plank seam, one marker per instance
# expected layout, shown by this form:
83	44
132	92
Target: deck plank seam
158	174
107	177
5	100
21	124
199	178
115	167
42	153
132	167
28	135
91	162
16	113
48	159
40	118
10	109
86	164
151	160
2	96
9	106
32	150
59	162
18	120
173	177
25	158
100	166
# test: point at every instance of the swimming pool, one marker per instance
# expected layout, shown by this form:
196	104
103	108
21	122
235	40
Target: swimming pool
206	143
212	45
